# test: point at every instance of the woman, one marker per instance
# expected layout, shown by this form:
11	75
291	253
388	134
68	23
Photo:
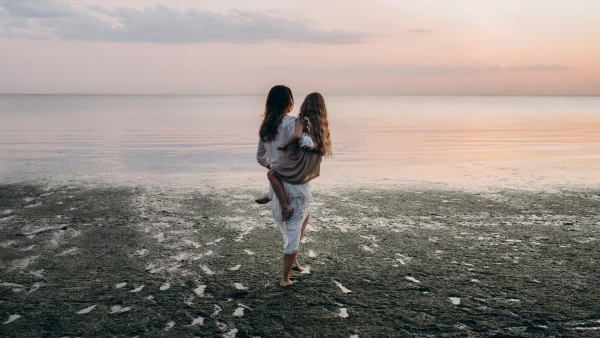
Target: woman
277	127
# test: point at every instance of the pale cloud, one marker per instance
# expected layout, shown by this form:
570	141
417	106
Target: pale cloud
161	24
416	70
421	31
538	68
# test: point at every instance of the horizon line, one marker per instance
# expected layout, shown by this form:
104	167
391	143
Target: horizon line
332	94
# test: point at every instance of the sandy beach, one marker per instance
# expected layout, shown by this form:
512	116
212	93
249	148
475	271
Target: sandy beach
127	261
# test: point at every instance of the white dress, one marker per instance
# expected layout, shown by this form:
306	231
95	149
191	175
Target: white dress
298	195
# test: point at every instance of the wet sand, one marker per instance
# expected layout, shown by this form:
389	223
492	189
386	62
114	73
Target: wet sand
117	261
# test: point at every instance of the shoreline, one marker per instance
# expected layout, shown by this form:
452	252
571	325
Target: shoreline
418	262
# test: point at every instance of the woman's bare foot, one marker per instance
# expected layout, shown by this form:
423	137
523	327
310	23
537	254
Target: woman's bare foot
263	200
297	267
286	282
286	212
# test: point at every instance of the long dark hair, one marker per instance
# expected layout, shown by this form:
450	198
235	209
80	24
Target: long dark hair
314	108
280	101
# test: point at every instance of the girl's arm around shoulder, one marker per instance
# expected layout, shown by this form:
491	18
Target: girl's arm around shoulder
295	136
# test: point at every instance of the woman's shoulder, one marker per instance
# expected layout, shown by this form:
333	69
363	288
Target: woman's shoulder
288	121
289	118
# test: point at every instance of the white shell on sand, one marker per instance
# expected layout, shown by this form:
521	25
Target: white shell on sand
86	310
200	290
239	312
12	318
240	286
197	321
344	290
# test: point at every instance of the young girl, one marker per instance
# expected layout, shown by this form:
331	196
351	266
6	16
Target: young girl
301	164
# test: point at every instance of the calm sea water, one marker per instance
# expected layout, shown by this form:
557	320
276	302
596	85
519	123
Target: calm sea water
517	142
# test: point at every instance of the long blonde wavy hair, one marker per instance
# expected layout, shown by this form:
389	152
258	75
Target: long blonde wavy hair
315	110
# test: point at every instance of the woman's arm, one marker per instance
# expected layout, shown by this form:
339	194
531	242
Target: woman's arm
295	136
262	157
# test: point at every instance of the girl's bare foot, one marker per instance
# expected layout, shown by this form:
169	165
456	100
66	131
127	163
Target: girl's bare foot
286	282
263	200
286	212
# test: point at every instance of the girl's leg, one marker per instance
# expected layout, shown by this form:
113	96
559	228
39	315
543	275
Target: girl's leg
288	261
286	208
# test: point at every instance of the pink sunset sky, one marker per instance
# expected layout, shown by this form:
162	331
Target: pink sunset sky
513	47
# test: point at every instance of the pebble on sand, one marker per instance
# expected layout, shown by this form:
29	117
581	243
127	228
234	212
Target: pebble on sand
343	313
454	300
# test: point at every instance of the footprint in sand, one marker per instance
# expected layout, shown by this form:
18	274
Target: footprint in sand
165	286
306	270
86	310
248	252
235	268
343	313
312	253
120	285
454	300
12	318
